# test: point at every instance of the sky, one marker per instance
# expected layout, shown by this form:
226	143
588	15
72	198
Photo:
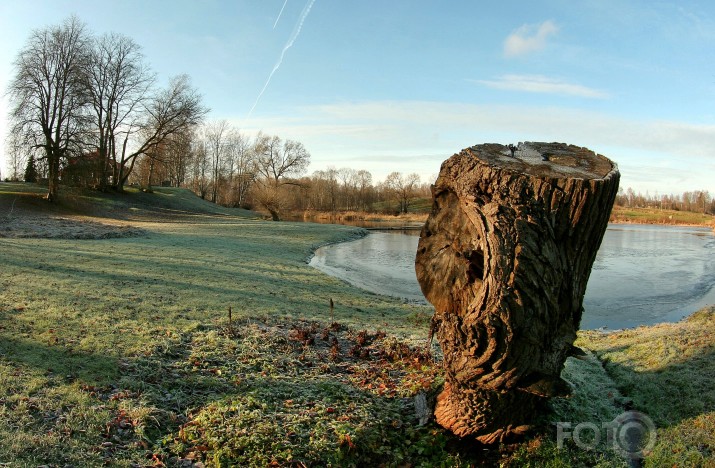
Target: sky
404	84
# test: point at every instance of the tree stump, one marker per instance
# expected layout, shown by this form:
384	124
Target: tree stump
504	257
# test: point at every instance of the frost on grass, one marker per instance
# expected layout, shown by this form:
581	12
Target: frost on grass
55	227
307	393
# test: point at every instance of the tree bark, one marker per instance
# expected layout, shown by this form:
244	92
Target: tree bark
53	165
505	257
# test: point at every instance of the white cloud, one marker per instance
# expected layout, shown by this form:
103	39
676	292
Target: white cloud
416	136
529	38
543	84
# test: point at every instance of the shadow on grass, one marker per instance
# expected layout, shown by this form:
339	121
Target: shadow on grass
252	397
55	359
670	394
668	373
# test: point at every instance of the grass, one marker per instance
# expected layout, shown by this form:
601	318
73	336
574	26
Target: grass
622	214
667	371
121	351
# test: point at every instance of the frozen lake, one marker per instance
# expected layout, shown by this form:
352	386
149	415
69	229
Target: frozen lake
643	274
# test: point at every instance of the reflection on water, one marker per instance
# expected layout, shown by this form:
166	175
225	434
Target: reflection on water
642	274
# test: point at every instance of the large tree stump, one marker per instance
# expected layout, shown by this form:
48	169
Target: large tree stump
504	257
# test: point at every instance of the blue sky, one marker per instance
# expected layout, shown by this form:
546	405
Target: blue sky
402	85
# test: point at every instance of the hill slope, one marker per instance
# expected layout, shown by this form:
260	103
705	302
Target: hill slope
134	204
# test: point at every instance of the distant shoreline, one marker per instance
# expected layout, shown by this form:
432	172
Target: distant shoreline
619	215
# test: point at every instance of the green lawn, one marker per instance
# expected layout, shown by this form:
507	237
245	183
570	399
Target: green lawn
120	351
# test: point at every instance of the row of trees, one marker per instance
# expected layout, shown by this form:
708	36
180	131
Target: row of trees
699	201
221	164
88	107
348	189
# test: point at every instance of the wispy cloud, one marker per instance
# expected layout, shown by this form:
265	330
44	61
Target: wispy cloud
529	38
543	84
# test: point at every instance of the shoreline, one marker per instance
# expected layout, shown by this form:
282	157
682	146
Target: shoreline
634	216
347	273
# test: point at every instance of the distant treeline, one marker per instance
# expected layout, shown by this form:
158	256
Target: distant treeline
699	201
221	164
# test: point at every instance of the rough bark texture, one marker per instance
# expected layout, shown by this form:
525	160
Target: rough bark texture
504	258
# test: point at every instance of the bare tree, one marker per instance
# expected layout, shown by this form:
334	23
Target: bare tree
348	181
403	188
18	154
179	156
324	190
200	169
169	112
48	107
364	187
277	162
117	82
242	168
217	135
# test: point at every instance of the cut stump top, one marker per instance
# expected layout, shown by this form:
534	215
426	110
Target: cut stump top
552	160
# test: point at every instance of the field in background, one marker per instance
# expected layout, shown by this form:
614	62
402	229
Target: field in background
119	348
622	214
420	208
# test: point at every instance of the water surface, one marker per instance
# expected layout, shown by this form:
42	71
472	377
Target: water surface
642	274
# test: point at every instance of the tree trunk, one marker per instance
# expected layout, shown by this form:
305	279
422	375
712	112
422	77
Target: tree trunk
504	257
151	174
275	214
53	167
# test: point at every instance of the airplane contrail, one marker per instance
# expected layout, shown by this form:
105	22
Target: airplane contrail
280	13
289	44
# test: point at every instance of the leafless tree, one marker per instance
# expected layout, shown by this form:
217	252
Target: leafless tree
200	169
242	168
348	182
217	136
171	111
365	189
403	188
277	162
117	82
18	154
324	191
175	158
48	103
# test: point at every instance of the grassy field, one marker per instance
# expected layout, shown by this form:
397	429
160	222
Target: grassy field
622	214
117	348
